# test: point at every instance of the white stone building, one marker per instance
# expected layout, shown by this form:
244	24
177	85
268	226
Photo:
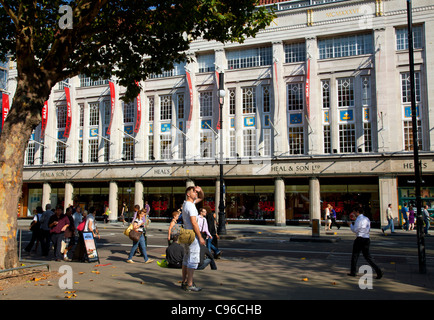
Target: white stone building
316	111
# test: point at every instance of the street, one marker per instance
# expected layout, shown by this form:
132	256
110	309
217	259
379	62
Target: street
258	263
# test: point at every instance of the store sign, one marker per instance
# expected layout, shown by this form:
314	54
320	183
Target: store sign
284	168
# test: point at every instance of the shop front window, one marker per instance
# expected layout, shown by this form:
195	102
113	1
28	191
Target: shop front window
251	202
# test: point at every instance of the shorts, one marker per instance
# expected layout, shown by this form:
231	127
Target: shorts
192	255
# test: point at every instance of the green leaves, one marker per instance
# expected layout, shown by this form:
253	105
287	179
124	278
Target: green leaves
126	39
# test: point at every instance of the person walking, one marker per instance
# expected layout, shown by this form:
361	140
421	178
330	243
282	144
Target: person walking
212	244
139	226
327	219
191	260
45	230
404	212
389	217
410	218
333	218
35	227
426	219
361	228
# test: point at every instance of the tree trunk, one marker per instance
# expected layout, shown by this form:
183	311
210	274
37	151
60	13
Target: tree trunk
24	116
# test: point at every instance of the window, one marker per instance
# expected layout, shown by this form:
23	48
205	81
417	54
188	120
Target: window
406	105
151	147
61	117
325	86
232	101
266	99
405	87
295	96
249	58
166	107
93	114
93	150
267	142
408	135
249	100
345	92
107	112
295	52
180	99
181	146
249	142
205	62
165	146
128	149
151	108
206	144
128	109
60	152
80	150
205	100
178	69
327	139
30	153
345	46
296	140
81	118
232	144
367	137
86	81
106	151
347	138
402	38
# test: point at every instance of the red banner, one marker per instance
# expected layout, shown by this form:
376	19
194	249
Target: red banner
44	119
217	80
308	89
139	112
68	113
5	107
112	105
190	88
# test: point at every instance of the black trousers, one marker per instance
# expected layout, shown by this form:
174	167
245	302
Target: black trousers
362	245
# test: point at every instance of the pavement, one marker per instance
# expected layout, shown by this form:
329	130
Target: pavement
292	275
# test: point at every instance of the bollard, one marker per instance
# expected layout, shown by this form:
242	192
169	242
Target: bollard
315	227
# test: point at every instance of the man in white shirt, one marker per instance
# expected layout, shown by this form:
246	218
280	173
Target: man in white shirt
361	228
190	214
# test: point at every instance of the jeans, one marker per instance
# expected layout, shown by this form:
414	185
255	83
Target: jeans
426	227
362	245
210	246
390	225
142	245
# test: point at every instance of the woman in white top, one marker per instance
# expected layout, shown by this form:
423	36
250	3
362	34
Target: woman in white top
139	226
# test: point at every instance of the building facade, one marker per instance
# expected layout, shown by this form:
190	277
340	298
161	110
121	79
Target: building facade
316	111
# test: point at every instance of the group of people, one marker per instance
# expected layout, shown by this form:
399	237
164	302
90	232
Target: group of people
62	231
330	217
408	216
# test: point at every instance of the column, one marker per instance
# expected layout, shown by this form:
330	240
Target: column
388	187
69	190
138	193
279	202
46	194
113	201
314	199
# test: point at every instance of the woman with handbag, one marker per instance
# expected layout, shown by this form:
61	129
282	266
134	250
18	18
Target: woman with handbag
137	235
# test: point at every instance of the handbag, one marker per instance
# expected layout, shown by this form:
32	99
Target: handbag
135	235
186	236
127	230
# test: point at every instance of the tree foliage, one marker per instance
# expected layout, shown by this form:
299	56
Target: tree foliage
125	39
